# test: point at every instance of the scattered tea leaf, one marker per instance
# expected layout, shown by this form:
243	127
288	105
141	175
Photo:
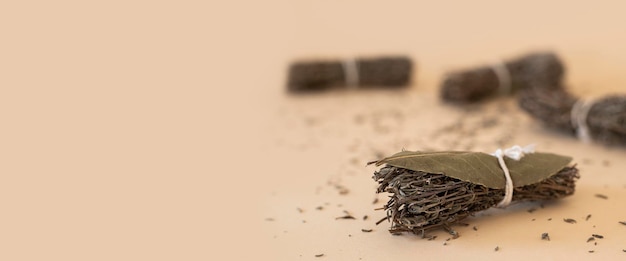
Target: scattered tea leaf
269	219
597	236
570	220
623	222
367	230
319	255
532	219
354	161
591	251
588	217
452	232
375	201
590	239
475	228
624	250
365	217
545	236
345	217
549	219
601	196
531	210
340	188
319	208
496	249
300	210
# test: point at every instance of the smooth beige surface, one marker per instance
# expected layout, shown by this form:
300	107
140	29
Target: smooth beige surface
155	130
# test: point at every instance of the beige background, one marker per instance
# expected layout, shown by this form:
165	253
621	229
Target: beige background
156	130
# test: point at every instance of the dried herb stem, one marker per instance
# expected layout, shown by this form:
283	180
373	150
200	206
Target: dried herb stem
423	201
606	119
541	69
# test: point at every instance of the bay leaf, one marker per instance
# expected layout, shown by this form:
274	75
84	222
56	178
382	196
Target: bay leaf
535	167
480	168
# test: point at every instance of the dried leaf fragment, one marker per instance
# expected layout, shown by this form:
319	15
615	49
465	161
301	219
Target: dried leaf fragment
570	220
602	196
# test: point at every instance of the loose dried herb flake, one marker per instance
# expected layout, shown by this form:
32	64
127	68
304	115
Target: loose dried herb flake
601	196
570	220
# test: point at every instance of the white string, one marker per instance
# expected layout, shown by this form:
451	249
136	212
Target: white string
351	71
579	114
504	77
516	153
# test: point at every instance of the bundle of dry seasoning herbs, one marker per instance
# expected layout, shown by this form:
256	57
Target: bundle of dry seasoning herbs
543	69
431	190
605	119
387	72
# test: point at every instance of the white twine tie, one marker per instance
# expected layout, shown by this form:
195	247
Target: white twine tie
504	77
351	71
516	153
579	114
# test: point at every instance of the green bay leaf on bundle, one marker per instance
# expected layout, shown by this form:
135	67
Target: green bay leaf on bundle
480	168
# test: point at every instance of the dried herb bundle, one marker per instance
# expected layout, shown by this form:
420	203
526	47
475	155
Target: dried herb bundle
309	76
437	190
543	69
606	119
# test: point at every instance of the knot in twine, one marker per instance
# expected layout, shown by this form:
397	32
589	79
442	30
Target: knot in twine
516	153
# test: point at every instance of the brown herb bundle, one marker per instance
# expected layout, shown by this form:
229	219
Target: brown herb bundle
543	69
307	76
423	200
606	119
